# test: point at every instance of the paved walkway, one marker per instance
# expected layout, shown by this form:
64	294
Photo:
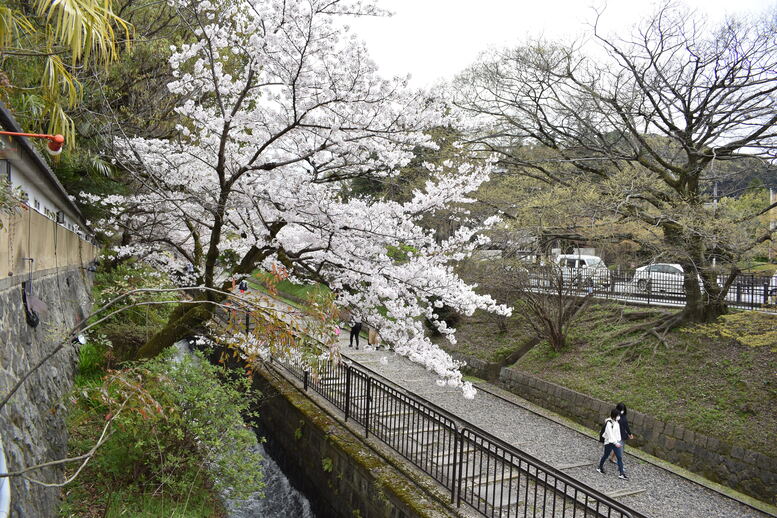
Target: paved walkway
651	490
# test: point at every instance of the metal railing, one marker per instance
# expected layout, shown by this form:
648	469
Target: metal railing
747	291
475	467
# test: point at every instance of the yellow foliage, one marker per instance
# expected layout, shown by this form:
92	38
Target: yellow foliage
747	328
84	26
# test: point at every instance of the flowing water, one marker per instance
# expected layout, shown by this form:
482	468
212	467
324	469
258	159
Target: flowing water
281	499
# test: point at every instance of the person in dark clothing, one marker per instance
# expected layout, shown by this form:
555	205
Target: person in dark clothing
243	286
356	328
624	426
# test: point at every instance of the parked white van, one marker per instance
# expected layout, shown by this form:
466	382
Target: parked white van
583	270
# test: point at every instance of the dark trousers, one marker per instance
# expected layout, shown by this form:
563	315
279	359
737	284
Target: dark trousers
609	448
355	330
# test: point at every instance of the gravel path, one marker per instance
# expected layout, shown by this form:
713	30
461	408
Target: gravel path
664	494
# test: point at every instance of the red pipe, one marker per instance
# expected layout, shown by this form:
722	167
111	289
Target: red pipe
55	141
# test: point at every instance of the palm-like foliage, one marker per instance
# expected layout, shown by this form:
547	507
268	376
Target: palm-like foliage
61	36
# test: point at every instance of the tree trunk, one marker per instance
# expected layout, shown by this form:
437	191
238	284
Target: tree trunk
189	317
705	302
184	319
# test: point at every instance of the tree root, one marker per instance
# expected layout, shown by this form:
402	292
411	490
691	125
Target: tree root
654	329
637	315
640	315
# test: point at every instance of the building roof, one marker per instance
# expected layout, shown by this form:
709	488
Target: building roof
9	123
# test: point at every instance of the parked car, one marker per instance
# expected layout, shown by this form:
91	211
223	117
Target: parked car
583	270
664	277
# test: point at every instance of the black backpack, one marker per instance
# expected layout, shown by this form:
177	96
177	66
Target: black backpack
601	432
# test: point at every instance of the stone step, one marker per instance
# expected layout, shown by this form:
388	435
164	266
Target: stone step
448	458
479	479
426	439
626	492
402	422
498	495
413	431
394	412
332	381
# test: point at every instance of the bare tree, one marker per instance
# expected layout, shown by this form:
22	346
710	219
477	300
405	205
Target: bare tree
549	301
648	121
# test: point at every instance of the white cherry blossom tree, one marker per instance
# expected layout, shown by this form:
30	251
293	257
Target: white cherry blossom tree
285	109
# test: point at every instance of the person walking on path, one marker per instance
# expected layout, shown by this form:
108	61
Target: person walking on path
356	328
623	424
373	338
612	442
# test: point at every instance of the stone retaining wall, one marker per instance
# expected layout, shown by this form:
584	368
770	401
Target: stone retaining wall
745	470
32	424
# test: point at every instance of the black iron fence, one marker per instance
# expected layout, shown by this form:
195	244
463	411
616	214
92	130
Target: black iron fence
477	468
654	285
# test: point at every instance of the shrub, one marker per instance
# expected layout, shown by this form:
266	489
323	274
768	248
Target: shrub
175	423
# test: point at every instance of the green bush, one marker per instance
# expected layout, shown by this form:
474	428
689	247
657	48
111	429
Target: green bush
177	424
92	360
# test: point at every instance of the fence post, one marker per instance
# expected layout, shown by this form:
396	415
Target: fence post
739	293
367	412
766	293
347	392
460	463
455	465
305	380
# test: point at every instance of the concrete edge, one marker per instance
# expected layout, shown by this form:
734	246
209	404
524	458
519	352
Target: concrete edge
636	452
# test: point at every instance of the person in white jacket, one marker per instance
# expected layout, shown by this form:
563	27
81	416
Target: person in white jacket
613	443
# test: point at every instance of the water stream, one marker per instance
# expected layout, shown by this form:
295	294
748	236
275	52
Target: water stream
280	500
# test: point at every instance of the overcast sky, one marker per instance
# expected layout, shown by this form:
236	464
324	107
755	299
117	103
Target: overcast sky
435	39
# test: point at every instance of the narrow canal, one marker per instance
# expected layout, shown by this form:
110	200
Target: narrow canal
281	499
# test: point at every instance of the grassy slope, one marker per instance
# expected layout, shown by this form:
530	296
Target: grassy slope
718	379
479	336
302	291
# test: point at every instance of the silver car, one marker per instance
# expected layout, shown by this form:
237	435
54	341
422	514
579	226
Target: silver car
665	277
